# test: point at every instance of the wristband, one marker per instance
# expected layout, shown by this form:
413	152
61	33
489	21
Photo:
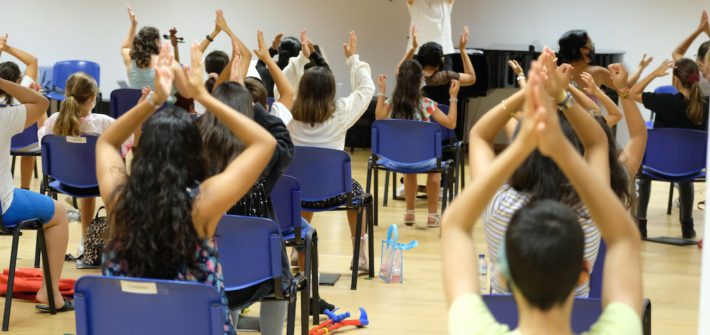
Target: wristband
454	100
566	101
381	94
209	38
521	77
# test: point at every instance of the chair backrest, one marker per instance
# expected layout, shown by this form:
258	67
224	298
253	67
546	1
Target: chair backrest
406	141
286	198
666	89
24	139
674	153
122	100
322	173
269	101
121	305
64	69
446	133
70	160
585	312
249	250
595	279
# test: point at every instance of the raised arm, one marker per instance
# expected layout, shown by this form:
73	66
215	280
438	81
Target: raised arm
485	130
110	168
459	252
518	70
449	120
128	41
220	192
634	78
410	52
30	61
211	36
614	113
282	84
468	77
590	133
622	268
243	50
632	155
231	72
35	104
363	88
660	71
382	111
703	26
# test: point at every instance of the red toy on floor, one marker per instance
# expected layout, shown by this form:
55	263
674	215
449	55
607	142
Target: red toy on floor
335	322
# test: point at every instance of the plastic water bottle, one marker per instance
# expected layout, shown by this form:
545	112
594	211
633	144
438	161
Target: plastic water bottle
483	274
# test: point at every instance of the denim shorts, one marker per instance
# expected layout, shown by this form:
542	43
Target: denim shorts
27	205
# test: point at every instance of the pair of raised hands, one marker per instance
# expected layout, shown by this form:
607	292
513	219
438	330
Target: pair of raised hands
165	75
463	38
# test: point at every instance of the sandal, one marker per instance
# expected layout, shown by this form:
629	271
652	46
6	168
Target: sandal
68	306
434	221
409	218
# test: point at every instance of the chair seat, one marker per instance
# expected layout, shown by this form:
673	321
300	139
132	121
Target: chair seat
418	167
26	153
56	96
77	192
650	173
356	202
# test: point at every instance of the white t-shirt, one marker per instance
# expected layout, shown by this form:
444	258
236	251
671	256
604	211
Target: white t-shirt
92	124
348	110
280	111
12	122
433	21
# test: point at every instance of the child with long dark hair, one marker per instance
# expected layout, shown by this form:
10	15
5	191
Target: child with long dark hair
408	103
164	215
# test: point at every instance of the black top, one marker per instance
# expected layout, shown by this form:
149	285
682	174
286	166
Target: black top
672	111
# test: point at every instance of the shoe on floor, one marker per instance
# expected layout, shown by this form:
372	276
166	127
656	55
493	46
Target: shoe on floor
73	215
323	305
68	306
409	218
688	231
434	220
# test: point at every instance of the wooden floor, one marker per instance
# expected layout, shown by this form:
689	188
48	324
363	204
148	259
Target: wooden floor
671	274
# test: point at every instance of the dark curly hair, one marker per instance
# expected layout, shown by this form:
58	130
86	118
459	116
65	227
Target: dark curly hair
570	44
289	47
431	54
151	223
407	92
145	44
10	72
220	144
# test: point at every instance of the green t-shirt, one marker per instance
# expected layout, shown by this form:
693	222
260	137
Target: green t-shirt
469	315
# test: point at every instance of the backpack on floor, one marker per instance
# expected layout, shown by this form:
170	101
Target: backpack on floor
95	237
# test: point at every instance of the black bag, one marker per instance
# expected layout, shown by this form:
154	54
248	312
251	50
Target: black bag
95	237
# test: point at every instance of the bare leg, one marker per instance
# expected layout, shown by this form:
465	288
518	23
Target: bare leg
410	190
87	207
433	187
27	164
56	233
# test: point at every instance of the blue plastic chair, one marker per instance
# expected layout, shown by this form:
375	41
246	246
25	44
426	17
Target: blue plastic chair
595	279
23	140
122	305
674	155
250	252
451	144
326	173
122	100
585	312
41	246
64	69
69	165
286	200
408	142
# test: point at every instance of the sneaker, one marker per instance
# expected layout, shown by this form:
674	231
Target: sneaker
400	191
73	215
80	248
323	305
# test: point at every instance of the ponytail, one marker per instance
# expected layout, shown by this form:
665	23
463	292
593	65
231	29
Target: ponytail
696	104
68	123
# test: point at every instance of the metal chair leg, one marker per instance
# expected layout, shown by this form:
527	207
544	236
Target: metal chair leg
371	240
12	166
314	280
356	247
10	280
47	273
304	307
376	194
38	248
291	319
670	200
36	174
387	182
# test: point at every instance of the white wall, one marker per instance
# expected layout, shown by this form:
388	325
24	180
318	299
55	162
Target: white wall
88	29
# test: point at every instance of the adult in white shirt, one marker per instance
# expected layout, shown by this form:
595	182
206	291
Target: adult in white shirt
432	19
19	204
10	71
